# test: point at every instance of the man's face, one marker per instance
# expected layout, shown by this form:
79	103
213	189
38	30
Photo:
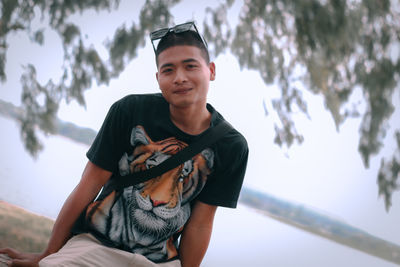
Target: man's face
183	76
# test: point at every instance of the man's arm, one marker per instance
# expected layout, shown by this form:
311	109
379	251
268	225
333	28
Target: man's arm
93	178
196	234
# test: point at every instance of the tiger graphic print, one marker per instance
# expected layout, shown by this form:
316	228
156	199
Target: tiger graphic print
147	217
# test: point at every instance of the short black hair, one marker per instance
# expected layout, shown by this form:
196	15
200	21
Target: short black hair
190	38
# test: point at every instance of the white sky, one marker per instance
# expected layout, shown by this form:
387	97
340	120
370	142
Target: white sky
325	172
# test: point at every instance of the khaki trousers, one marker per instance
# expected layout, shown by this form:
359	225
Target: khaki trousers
86	250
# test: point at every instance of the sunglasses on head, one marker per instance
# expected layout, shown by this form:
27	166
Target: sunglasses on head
184	27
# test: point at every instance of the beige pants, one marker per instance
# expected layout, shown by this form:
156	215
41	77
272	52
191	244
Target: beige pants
85	250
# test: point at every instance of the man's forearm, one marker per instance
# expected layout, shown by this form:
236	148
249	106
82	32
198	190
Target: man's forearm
194	244
197	234
69	213
92	180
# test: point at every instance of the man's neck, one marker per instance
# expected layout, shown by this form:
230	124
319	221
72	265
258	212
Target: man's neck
191	121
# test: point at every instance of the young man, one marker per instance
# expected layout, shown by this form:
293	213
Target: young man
140	225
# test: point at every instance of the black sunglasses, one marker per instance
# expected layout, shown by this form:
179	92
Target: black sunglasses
184	27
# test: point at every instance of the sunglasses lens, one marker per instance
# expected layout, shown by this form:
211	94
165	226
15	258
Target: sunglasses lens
159	34
183	27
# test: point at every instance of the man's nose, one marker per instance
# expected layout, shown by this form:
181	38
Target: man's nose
180	76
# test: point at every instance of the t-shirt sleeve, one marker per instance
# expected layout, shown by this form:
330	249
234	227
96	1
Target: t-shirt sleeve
107	148
224	185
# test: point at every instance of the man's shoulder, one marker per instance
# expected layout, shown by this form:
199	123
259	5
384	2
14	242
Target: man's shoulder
233	137
236	139
141	99
139	103
233	140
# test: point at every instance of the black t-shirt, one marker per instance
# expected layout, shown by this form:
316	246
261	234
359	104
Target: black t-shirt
146	218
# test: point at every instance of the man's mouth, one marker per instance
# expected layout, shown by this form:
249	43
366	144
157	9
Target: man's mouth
182	91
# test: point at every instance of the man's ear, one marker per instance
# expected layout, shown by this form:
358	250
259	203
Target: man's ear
212	71
158	81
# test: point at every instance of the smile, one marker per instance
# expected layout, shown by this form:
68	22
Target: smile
182	91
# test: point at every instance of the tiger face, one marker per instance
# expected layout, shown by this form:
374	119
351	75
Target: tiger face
148	214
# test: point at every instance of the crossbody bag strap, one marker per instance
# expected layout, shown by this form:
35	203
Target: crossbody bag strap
209	137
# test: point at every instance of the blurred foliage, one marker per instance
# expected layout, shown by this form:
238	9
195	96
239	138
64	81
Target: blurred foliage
334	47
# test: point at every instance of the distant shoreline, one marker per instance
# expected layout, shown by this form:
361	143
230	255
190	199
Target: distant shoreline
17	207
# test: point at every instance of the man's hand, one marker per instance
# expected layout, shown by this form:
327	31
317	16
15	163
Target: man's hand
15	258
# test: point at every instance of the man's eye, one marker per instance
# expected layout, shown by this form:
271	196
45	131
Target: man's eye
191	66
166	70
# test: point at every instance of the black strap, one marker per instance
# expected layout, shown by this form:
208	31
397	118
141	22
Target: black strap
209	137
